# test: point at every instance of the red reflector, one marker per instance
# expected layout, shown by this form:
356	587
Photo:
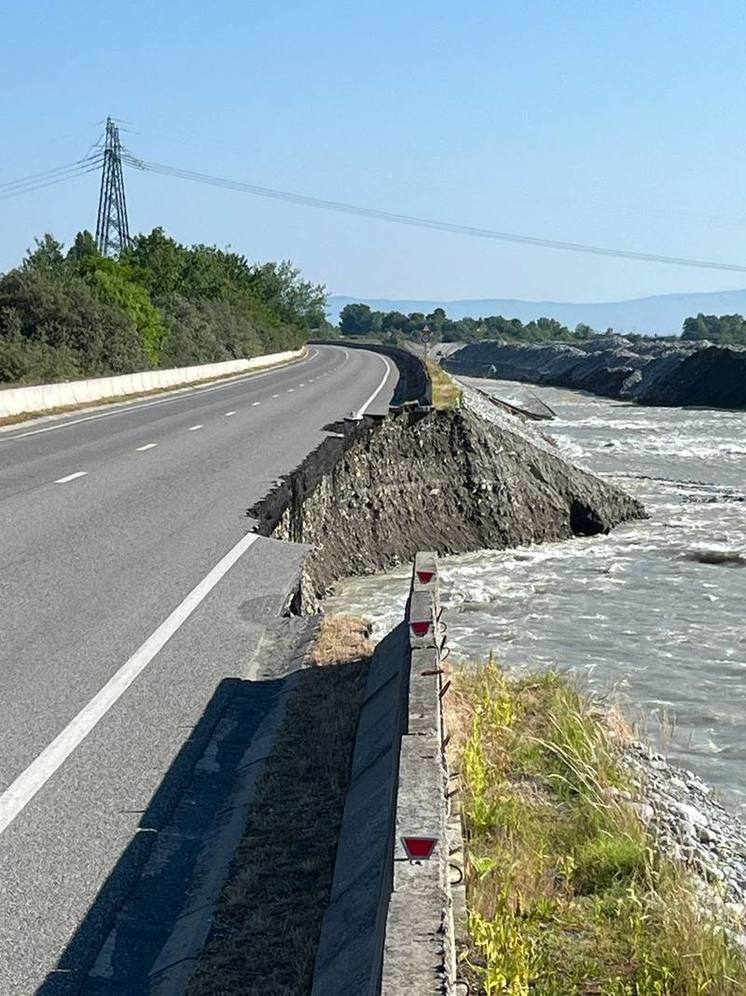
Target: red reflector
419	848
420	628
425	576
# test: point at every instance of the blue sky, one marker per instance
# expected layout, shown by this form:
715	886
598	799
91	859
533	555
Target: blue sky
620	123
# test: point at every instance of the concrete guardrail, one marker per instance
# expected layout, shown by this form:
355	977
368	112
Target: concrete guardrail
43	397
397	902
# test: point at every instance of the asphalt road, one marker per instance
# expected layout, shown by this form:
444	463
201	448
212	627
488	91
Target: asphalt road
108	521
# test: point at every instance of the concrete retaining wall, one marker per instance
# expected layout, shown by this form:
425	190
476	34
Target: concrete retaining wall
389	927
43	397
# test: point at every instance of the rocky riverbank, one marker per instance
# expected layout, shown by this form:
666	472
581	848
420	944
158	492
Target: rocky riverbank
379	490
690	824
650	373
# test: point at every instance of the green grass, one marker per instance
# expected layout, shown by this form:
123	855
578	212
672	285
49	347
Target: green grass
446	392
566	893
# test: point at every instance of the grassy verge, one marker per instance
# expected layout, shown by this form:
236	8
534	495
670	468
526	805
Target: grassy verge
446	392
566	893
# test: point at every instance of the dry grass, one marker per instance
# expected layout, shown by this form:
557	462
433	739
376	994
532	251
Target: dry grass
566	892
446	392
342	639
269	918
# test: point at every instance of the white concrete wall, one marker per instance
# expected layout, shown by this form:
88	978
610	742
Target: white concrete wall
42	397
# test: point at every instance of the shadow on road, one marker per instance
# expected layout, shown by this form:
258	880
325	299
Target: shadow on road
143	908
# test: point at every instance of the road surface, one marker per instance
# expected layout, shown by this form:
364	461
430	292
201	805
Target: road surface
128	591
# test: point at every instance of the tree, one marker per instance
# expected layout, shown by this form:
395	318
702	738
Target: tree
47	257
296	301
84	247
726	329
356	319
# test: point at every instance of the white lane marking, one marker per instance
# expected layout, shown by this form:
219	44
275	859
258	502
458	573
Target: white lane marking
20	792
228	414
147	446
193	428
275	395
182	394
290	390
374	395
301	385
71	477
255	403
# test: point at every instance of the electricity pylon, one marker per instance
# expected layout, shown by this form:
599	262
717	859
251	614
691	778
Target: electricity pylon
112	227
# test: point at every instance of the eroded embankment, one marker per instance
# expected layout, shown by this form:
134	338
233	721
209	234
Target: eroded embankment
650	373
379	491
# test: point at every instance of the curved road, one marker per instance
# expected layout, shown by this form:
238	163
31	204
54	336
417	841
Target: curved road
128	592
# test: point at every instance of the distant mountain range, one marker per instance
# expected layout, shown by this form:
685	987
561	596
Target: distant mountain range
659	315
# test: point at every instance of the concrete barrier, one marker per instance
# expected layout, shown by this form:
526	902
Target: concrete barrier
389	927
43	397
414	386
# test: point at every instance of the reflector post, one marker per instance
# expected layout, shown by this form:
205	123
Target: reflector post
419	848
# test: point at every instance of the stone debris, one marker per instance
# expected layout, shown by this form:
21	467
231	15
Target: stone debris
689	823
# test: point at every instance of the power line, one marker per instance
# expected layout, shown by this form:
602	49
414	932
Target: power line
34	179
48	183
427	223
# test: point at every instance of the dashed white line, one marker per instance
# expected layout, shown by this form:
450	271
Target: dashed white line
147	446
126	407
255	403
193	428
275	395
71	477
290	390
20	792
301	385
228	414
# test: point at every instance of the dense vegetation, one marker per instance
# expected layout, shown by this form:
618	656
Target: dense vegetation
359	319
726	329
159	304
566	891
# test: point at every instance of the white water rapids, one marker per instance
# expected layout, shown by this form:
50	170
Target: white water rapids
653	612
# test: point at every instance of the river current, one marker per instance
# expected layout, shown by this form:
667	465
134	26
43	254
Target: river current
653	613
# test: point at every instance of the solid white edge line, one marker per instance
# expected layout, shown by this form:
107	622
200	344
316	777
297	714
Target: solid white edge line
125	407
71	477
147	446
374	395
14	799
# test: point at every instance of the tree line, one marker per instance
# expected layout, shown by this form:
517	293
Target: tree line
361	320
71	314
725	329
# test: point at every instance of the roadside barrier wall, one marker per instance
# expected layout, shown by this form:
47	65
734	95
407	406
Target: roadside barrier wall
390	926
42	397
414	385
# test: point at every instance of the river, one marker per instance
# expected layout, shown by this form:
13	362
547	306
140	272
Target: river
652	614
